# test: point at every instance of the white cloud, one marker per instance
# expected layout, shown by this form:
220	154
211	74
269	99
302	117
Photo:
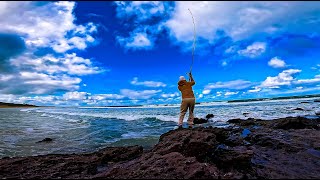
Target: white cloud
145	94
224	63
316	79
256	89
283	78
107	96
39	83
171	95
143	35
213	17
45	26
68	63
219	93
236	84
49	24
143	10
136	41
5	78
75	95
147	83
231	93
253	50
253	17
276	63
295	90
206	91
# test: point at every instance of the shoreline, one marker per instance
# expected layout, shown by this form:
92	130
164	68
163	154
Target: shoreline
251	148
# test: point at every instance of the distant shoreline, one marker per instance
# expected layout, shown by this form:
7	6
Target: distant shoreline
12	105
275	98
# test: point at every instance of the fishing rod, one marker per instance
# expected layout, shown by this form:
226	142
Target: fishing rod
194	42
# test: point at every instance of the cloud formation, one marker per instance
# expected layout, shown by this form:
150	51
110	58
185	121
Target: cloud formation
147	83
276	63
145	94
284	78
36	44
254	50
236	84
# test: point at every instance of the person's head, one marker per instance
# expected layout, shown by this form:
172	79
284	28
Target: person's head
181	78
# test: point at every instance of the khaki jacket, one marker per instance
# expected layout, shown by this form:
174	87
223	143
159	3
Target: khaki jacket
186	88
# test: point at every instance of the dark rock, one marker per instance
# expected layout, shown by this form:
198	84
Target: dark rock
243	122
317	113
317	100
199	120
208	116
245	113
121	154
67	166
295	123
45	140
298	109
233	140
233	157
235	121
304	102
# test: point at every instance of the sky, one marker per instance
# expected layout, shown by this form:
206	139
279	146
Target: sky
132	52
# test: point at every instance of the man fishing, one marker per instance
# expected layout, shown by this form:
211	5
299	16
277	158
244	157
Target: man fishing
188	99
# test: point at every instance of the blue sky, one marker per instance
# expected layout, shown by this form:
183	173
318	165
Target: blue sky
133	52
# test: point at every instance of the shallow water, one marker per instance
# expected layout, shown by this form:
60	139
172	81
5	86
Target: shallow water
75	130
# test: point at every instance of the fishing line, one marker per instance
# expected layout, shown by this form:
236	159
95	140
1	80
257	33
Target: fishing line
194	40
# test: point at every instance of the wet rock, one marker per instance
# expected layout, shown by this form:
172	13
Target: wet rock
208	116
45	140
317	113
317	100
199	120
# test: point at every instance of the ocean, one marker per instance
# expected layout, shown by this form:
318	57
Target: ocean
87	129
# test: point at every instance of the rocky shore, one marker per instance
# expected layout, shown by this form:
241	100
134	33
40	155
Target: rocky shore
252	148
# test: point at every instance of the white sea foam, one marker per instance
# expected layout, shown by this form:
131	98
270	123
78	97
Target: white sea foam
132	135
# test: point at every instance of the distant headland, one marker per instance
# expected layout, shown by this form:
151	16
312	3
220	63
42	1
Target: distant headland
12	105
